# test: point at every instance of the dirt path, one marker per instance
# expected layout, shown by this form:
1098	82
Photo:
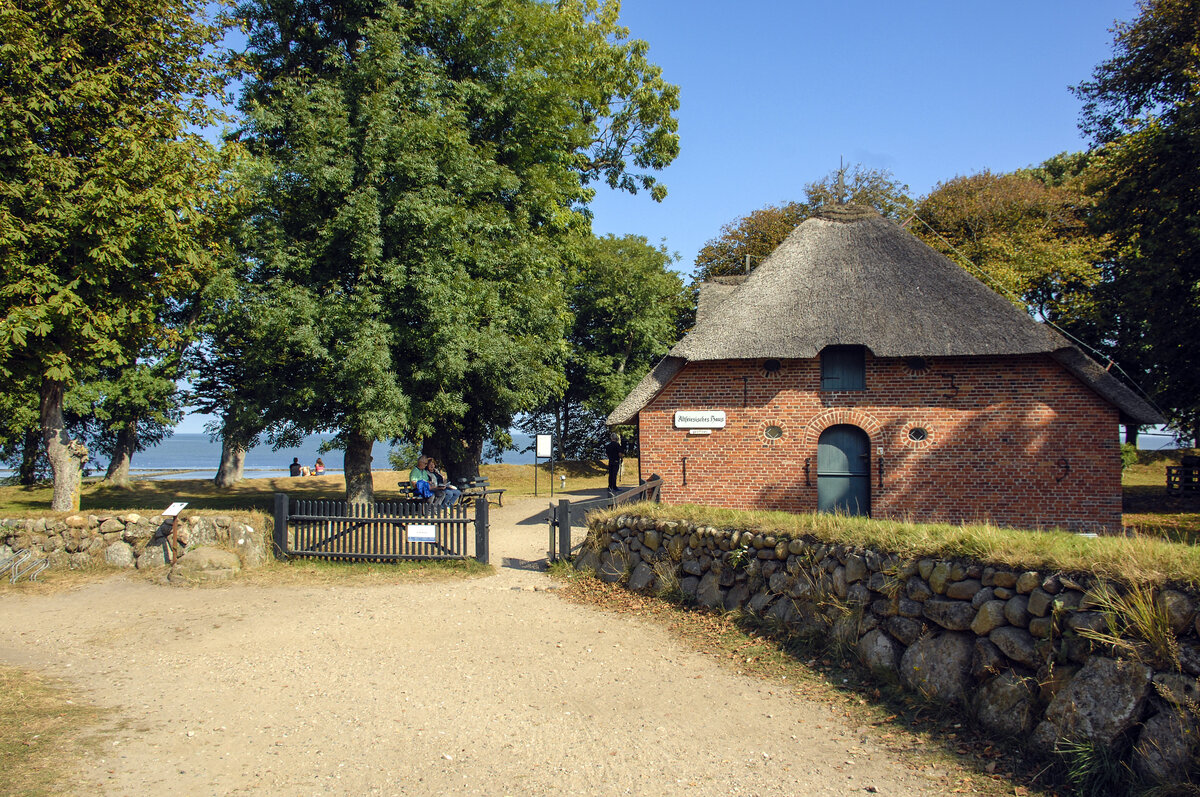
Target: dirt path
490	686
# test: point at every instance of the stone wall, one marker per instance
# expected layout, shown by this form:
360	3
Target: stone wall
1016	441
128	539
1007	646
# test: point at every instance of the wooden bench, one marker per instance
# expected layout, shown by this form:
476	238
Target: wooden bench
478	488
1184	477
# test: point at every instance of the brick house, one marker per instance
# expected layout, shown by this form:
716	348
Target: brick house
858	370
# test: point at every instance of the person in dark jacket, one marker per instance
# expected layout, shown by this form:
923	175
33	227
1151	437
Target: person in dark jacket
612	450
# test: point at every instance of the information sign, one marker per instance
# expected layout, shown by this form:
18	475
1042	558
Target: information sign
174	509
699	419
422	532
544	446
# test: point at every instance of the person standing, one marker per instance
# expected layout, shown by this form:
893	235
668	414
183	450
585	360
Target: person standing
612	450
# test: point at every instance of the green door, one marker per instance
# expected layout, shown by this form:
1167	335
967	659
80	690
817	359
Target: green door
844	470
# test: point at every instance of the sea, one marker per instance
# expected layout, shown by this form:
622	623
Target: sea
196	456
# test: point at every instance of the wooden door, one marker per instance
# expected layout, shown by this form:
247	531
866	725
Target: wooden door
844	470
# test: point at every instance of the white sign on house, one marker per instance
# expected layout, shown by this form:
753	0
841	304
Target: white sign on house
422	532
699	419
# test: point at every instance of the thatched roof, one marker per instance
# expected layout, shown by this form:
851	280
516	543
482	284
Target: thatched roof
850	277
713	292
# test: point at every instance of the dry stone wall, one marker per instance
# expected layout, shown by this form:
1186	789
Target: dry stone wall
1009	647
128	539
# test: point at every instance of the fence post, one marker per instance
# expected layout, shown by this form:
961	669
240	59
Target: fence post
281	521
564	529
551	556
481	529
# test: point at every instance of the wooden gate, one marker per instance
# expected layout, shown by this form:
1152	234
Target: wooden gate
380	532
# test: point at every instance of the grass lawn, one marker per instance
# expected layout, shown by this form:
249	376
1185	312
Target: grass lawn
258	494
1149	509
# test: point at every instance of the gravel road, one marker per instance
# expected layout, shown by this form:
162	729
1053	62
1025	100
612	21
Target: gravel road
489	686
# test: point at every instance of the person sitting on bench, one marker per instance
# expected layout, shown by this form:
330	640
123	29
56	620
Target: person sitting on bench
420	473
450	493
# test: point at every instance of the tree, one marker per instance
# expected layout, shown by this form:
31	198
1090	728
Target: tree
429	165
106	198
757	235
624	301
1142	109
133	407
1026	237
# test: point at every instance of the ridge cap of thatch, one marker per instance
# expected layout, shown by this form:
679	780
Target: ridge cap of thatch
846	213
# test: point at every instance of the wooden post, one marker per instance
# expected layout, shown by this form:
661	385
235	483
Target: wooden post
481	529
281	520
564	529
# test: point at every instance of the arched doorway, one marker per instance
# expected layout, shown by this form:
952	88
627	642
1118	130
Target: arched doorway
844	470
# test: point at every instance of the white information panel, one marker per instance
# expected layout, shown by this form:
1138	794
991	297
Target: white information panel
174	509
544	446
699	419
422	532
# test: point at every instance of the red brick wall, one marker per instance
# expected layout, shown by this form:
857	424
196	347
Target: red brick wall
1016	441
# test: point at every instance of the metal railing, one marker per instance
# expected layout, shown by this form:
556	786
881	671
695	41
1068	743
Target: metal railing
22	564
565	515
379	532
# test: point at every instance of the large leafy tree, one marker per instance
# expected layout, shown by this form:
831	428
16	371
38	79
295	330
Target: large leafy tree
1143	111
106	197
429	163
1026	234
625	303
744	242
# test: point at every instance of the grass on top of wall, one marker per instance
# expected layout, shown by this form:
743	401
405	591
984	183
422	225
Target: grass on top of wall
1134	559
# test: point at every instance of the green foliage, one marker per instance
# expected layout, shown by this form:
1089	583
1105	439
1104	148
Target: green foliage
1143	111
1129	455
109	203
624	302
1094	770
1025	234
105	201
427	165
759	233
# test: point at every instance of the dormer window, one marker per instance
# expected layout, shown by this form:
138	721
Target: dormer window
843	368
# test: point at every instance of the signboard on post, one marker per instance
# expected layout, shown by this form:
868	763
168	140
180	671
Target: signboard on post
543	449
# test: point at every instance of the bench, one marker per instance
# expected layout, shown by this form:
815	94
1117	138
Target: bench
478	488
1184	477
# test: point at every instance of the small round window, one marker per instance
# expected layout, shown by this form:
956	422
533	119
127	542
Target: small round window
917	434
916	365
773	432
770	368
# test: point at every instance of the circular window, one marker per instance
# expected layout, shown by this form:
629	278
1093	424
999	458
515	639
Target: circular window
770	368
773	432
916	365
917	434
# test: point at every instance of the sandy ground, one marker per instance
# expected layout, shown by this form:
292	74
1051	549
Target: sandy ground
489	686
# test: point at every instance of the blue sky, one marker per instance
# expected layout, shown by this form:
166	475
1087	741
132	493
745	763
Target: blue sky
773	94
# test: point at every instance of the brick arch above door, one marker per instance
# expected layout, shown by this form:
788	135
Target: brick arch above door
842	415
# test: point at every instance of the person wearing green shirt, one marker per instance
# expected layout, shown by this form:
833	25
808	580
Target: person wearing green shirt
421	474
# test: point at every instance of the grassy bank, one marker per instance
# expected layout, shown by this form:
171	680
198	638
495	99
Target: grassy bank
1134	559
258	494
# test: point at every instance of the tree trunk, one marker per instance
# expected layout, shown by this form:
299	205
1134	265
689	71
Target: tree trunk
31	447
459	457
118	466
233	461
1131	433
360	488
66	456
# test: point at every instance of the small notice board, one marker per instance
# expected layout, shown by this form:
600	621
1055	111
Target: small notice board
174	509
422	532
